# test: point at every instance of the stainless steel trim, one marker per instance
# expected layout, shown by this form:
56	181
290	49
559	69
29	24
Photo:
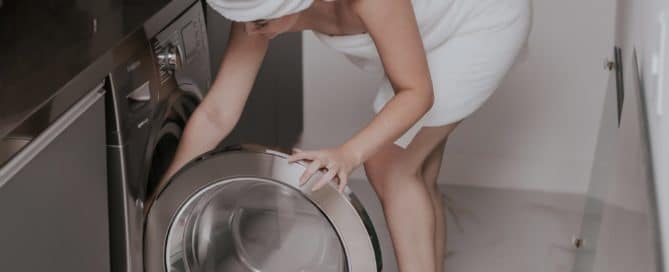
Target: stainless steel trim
343	211
40	142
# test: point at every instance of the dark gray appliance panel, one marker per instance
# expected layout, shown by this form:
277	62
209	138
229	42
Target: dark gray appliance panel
53	212
273	113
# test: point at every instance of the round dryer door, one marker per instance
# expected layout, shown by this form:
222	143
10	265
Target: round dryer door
242	210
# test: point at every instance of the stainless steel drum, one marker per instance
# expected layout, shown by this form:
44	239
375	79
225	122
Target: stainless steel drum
242	209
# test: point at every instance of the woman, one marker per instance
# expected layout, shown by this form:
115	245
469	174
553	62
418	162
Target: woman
442	59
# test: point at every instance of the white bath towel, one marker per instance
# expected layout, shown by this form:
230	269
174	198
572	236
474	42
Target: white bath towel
470	45
251	10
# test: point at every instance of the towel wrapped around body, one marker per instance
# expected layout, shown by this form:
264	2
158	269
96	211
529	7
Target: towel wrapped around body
470	46
251	10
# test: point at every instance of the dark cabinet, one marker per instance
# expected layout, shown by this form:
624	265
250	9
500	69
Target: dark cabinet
53	196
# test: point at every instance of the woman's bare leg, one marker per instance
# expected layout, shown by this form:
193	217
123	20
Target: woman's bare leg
431	173
397	176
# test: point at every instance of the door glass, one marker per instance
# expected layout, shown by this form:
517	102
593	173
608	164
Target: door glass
251	224
619	228
603	174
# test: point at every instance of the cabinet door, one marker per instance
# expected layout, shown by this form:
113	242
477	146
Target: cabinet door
53	208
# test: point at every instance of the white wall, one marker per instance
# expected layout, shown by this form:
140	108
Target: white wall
537	131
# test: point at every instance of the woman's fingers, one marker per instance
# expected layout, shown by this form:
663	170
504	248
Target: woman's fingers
324	179
317	160
310	171
299	156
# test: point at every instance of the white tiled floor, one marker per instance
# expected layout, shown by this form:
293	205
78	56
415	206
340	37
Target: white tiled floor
505	230
497	229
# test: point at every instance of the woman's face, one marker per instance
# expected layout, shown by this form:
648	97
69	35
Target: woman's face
273	27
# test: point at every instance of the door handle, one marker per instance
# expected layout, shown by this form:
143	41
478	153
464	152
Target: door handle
46	137
620	83
139	97
140	94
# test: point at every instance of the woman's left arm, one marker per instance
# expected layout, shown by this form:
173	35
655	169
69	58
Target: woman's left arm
392	25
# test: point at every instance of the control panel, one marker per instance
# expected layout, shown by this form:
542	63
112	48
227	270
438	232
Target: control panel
179	46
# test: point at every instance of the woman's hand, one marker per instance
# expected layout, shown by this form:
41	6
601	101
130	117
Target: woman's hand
338	163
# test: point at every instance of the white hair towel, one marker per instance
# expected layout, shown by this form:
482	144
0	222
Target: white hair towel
251	10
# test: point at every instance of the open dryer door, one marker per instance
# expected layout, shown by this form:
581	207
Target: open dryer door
242	209
179	107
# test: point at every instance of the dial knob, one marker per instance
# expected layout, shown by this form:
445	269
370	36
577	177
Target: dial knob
169	59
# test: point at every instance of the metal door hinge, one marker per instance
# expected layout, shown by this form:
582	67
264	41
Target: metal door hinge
577	242
609	64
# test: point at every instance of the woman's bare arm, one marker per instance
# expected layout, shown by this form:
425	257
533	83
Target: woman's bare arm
220	110
401	49
392	25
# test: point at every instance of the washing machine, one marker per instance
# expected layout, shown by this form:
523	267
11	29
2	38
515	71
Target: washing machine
233	209
161	75
238	208
241	209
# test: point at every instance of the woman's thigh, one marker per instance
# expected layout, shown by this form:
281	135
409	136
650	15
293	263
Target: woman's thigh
392	163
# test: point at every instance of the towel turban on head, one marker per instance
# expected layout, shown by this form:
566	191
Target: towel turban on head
251	10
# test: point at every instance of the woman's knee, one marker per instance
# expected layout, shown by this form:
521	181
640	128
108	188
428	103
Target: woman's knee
430	170
382	175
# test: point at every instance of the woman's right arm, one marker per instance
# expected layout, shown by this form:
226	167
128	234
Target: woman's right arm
220	110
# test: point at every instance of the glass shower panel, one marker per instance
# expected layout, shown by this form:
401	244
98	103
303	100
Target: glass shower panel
602	176
618	231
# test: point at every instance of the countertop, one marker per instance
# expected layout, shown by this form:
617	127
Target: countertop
58	48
